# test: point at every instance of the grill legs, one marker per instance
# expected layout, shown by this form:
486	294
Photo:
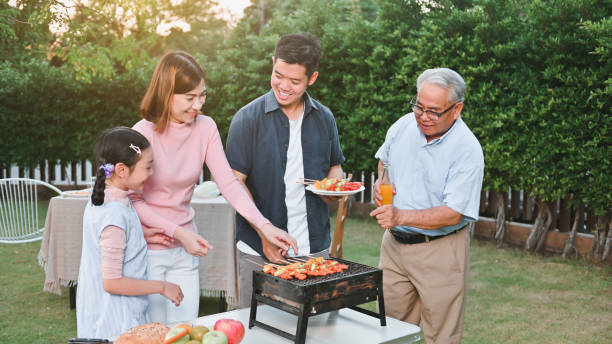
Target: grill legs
302	324
381	306
253	315
302	312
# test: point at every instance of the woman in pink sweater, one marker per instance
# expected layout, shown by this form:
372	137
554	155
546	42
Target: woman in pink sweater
182	141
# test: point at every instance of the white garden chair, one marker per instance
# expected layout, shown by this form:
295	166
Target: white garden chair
20	220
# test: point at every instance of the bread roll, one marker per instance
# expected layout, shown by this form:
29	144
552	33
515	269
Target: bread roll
153	333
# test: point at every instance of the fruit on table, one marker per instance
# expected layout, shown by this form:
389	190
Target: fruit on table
233	329
215	337
333	184
198	332
178	334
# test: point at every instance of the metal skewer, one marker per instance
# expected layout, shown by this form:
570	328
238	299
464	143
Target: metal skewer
308	180
262	265
254	262
296	260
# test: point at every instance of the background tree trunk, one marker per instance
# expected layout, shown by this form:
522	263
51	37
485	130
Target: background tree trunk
540	227
500	220
595	244
602	224
600	237
569	245
606	252
551	209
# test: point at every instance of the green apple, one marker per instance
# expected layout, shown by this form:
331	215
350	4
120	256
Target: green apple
198	332
214	337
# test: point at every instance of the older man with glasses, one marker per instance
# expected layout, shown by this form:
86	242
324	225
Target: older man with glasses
436	166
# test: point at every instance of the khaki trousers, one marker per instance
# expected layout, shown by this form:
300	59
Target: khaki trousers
425	284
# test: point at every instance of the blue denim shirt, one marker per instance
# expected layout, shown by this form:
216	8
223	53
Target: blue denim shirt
445	171
257	145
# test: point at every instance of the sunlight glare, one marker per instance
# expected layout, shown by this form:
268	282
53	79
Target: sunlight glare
233	10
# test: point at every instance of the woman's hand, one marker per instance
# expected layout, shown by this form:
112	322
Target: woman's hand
156	236
279	238
193	242
172	292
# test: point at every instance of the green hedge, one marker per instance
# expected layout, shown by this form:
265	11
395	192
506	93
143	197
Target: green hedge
538	75
47	115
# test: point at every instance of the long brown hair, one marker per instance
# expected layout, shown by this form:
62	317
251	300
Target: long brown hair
176	73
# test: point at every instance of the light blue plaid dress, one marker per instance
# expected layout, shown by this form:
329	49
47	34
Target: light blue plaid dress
100	314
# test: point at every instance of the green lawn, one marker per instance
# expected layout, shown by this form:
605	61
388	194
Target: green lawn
513	298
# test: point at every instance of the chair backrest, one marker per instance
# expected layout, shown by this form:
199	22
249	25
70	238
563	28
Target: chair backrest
19	211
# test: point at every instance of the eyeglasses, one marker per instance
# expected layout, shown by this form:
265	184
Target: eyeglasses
432	115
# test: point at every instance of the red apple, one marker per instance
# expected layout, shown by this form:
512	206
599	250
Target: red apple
233	329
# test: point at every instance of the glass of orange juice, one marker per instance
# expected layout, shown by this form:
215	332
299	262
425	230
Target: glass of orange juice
386	190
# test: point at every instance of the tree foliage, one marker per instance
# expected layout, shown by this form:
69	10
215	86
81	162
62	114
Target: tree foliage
538	75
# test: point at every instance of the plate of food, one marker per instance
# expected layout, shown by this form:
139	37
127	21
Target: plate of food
77	193
334	187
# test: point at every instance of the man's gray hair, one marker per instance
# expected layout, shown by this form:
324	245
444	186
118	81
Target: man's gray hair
446	78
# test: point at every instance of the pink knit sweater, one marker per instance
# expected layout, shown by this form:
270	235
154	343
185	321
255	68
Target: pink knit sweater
178	157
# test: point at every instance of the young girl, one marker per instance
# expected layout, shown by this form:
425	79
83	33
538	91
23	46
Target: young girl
183	140
112	285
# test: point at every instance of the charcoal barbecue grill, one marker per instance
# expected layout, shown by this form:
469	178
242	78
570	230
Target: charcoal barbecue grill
317	294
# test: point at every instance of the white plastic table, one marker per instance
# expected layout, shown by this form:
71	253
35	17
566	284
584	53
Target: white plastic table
337	327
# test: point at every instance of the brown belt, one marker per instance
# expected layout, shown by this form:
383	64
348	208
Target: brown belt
405	238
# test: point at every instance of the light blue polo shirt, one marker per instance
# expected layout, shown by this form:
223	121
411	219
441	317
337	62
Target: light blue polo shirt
446	171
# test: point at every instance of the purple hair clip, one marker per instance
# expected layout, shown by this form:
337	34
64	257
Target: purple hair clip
108	169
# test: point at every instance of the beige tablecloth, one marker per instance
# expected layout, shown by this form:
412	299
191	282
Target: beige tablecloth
215	220
60	251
